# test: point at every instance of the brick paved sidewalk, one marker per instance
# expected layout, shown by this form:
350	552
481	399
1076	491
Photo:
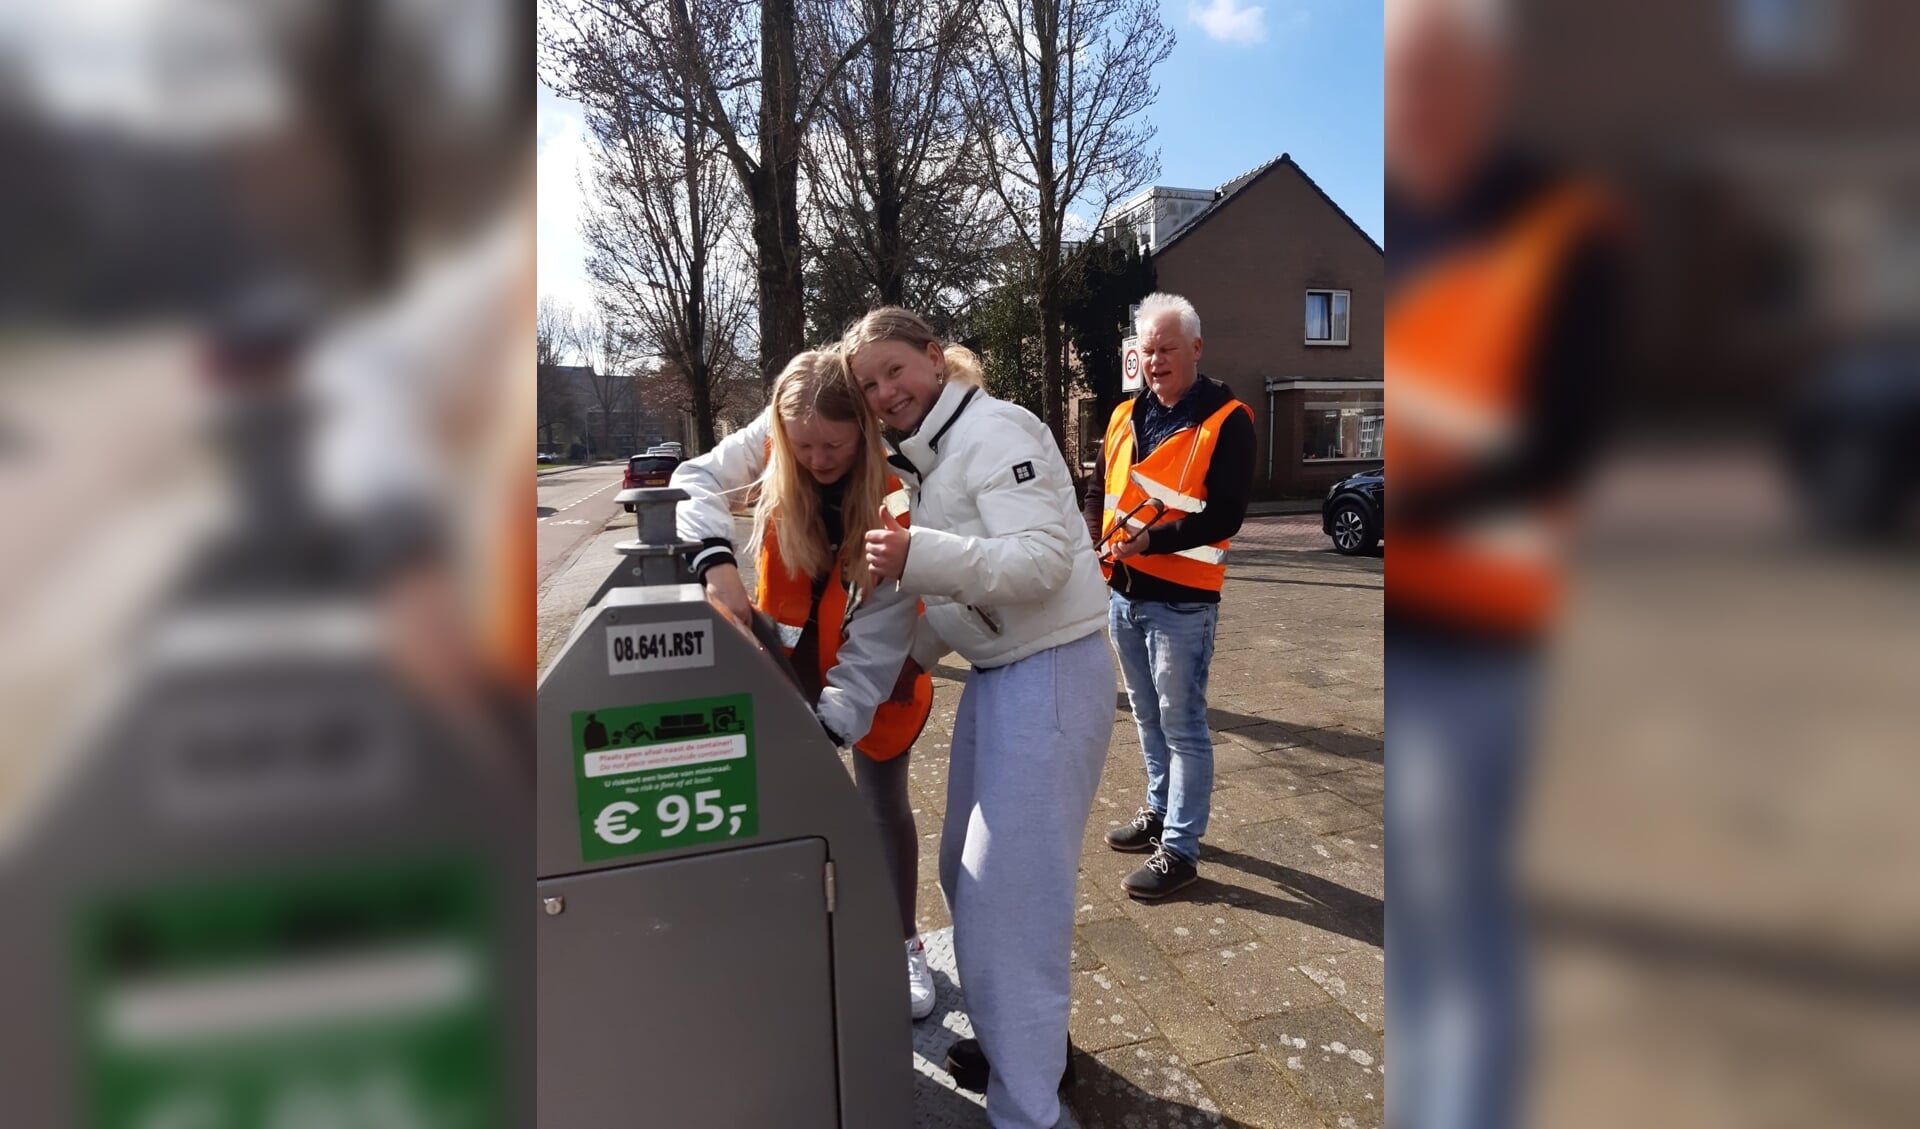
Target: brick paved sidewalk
1255	997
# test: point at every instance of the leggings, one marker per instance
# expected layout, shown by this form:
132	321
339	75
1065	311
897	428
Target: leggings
883	785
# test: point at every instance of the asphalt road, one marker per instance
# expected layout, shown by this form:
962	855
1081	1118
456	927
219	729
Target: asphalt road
574	505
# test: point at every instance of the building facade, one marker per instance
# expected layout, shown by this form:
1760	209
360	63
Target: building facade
1290	295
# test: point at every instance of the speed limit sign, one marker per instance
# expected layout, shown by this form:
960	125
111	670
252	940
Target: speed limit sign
1130	367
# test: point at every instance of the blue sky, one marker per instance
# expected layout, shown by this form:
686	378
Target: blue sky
1246	82
1249	81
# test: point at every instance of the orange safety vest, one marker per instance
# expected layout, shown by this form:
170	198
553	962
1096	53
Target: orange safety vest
787	599
1458	340
1176	475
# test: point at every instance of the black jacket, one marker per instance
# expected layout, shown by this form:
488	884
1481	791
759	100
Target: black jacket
1229	481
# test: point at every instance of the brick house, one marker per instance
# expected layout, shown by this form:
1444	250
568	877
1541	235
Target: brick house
1290	295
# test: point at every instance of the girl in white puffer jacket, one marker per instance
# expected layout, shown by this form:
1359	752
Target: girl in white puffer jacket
999	555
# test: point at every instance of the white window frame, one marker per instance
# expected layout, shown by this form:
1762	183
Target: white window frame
1333	296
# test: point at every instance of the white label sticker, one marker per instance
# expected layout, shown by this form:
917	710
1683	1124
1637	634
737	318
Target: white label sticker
672	754
643	648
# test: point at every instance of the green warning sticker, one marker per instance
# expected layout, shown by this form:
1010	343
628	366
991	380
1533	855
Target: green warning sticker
666	775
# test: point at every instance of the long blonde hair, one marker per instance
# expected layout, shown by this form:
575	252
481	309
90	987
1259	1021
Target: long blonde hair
891	323
818	384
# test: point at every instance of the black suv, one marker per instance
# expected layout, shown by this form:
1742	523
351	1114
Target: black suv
1353	509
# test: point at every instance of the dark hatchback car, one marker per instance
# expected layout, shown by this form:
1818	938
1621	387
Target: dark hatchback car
1852	440
647	472
1353	510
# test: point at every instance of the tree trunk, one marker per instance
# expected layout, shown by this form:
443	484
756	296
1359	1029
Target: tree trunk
700	386
1046	29
887	190
775	193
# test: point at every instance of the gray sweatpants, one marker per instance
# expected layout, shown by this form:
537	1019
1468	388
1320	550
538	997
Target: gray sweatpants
1029	741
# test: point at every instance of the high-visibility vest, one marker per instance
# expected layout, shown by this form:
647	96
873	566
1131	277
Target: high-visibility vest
787	598
1176	475
1458	342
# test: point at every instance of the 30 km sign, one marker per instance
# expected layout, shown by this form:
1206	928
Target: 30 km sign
1130	377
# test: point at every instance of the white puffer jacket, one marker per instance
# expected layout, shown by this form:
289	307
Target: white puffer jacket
999	551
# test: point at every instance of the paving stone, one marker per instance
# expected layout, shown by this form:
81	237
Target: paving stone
1189	1021
1300	707
1343	742
1262	735
1304	934
1095	900
1295	888
1105	1014
1310	760
1252	980
1355	980
1278	781
1324	812
1323	868
1143	1086
1262	802
1103	867
1230	757
1361	786
1332	1059
1197	918
1252	1091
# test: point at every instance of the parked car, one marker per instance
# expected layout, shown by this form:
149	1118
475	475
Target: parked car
647	472
1852	440
546	457
1352	513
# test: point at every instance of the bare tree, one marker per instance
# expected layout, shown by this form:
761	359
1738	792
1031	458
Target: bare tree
904	213
1056	94
661	209
556	336
555	330
554	404
609	353
734	69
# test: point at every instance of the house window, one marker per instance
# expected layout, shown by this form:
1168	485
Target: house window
1327	316
1349	427
1787	34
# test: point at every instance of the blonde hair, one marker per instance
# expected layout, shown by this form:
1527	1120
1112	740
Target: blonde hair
891	323
818	384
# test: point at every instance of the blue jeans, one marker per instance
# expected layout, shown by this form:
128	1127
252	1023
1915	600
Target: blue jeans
1165	649
1458	723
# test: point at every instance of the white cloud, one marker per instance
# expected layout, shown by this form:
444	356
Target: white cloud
1229	21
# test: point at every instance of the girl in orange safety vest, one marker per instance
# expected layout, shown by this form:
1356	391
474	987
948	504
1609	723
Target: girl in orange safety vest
816	461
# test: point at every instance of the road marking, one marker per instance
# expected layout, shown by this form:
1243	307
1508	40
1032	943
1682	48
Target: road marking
549	519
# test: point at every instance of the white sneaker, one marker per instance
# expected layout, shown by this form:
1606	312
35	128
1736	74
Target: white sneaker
919	978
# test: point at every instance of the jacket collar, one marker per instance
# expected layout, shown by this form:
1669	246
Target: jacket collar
1206	397
922	448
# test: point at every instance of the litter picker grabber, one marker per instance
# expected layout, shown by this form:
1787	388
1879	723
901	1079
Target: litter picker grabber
1158	510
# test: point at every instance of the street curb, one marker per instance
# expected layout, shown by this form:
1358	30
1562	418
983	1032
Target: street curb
1283	506
575	466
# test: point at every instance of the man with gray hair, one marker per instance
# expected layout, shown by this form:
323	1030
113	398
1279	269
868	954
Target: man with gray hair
1172	489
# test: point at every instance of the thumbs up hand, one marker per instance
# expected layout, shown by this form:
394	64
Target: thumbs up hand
887	548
